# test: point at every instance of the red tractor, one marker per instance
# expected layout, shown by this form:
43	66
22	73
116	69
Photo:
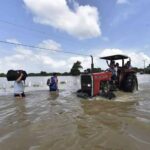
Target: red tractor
93	84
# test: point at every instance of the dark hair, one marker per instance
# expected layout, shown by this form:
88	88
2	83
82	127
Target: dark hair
54	74
112	62
117	64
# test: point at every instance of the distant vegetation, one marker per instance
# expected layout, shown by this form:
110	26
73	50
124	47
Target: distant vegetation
2	75
42	73
147	70
75	70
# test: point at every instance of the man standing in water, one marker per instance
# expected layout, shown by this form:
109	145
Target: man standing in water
112	69
19	87
53	83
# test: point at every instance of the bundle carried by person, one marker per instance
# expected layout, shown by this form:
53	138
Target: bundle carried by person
48	82
12	75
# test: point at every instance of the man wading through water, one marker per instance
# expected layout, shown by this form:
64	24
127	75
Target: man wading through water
53	83
19	87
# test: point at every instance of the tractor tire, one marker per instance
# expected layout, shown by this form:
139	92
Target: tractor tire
130	84
82	94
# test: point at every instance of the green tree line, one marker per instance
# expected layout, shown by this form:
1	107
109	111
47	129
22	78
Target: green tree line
76	70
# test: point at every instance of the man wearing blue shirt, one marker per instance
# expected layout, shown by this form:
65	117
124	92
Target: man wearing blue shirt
53	85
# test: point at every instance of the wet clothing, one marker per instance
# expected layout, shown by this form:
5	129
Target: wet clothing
53	84
19	95
19	89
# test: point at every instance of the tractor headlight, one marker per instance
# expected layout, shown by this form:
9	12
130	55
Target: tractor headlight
89	85
129	80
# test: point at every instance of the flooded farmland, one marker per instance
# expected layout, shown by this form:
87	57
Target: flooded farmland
56	121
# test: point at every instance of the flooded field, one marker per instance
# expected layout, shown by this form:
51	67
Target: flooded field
62	121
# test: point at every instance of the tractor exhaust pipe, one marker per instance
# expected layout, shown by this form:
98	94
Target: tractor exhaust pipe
92	64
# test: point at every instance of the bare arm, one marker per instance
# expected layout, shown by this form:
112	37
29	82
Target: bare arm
57	83
108	63
20	77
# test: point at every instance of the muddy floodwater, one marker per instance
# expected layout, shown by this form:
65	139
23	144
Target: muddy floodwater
62	121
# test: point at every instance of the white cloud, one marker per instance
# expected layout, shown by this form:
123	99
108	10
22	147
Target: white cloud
136	58
32	60
50	44
37	60
81	22
46	60
9	62
122	1
12	40
22	51
107	52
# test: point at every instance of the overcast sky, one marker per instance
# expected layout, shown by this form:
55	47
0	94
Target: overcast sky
97	27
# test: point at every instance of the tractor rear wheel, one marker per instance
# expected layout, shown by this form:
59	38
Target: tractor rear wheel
130	84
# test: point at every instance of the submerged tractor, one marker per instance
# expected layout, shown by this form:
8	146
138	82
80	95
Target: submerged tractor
93	84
